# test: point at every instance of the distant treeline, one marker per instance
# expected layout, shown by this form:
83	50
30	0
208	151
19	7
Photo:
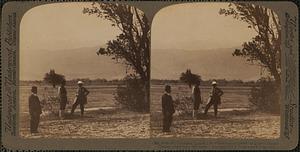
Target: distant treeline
86	81
221	82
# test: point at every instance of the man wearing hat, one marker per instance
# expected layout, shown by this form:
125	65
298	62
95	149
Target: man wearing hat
167	109
215	98
35	110
81	98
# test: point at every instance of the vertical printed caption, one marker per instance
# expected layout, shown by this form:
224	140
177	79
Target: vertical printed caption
9	81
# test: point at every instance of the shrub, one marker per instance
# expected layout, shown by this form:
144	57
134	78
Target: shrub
50	105
266	97
132	95
183	105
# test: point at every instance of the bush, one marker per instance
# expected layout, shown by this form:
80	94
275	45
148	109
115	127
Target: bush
50	105
266	97
132	95
184	105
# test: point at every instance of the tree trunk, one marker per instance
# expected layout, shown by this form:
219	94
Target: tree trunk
276	76
147	96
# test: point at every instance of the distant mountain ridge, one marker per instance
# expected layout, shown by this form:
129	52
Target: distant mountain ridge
73	63
210	64
165	64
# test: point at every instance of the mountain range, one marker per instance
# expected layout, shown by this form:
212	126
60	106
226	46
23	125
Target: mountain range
165	64
74	63
210	64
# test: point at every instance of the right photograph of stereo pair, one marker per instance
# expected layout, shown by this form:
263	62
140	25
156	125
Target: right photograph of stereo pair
215	71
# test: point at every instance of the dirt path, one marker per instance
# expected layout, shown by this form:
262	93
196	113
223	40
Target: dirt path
95	124
234	124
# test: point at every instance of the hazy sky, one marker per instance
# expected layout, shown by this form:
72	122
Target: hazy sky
63	26
197	26
195	36
61	37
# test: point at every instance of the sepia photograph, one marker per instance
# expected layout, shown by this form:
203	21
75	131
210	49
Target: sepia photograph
215	71
84	71
149	75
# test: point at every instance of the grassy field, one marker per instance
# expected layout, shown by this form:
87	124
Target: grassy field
103	117
237	119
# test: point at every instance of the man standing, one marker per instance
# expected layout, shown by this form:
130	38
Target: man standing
81	98
35	110
167	109
215	98
196	95
62	94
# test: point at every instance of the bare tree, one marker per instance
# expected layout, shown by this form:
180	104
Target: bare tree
264	48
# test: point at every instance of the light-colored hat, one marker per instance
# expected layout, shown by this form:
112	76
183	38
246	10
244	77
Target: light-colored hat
214	83
79	82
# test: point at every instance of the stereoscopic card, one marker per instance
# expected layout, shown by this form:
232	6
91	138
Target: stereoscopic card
149	75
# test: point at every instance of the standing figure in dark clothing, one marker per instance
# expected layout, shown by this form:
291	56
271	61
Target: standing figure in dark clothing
167	109
196	95
81	98
62	94
215	98
35	110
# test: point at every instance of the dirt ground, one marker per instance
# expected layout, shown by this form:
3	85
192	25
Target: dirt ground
95	124
234	124
103	118
236	118
111	122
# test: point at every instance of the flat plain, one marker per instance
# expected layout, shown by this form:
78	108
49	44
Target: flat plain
103	117
236	117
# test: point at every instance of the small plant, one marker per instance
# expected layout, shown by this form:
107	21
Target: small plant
50	105
183	105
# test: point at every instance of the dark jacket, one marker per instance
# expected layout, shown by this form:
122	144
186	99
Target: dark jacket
216	94
34	105
82	95
167	105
